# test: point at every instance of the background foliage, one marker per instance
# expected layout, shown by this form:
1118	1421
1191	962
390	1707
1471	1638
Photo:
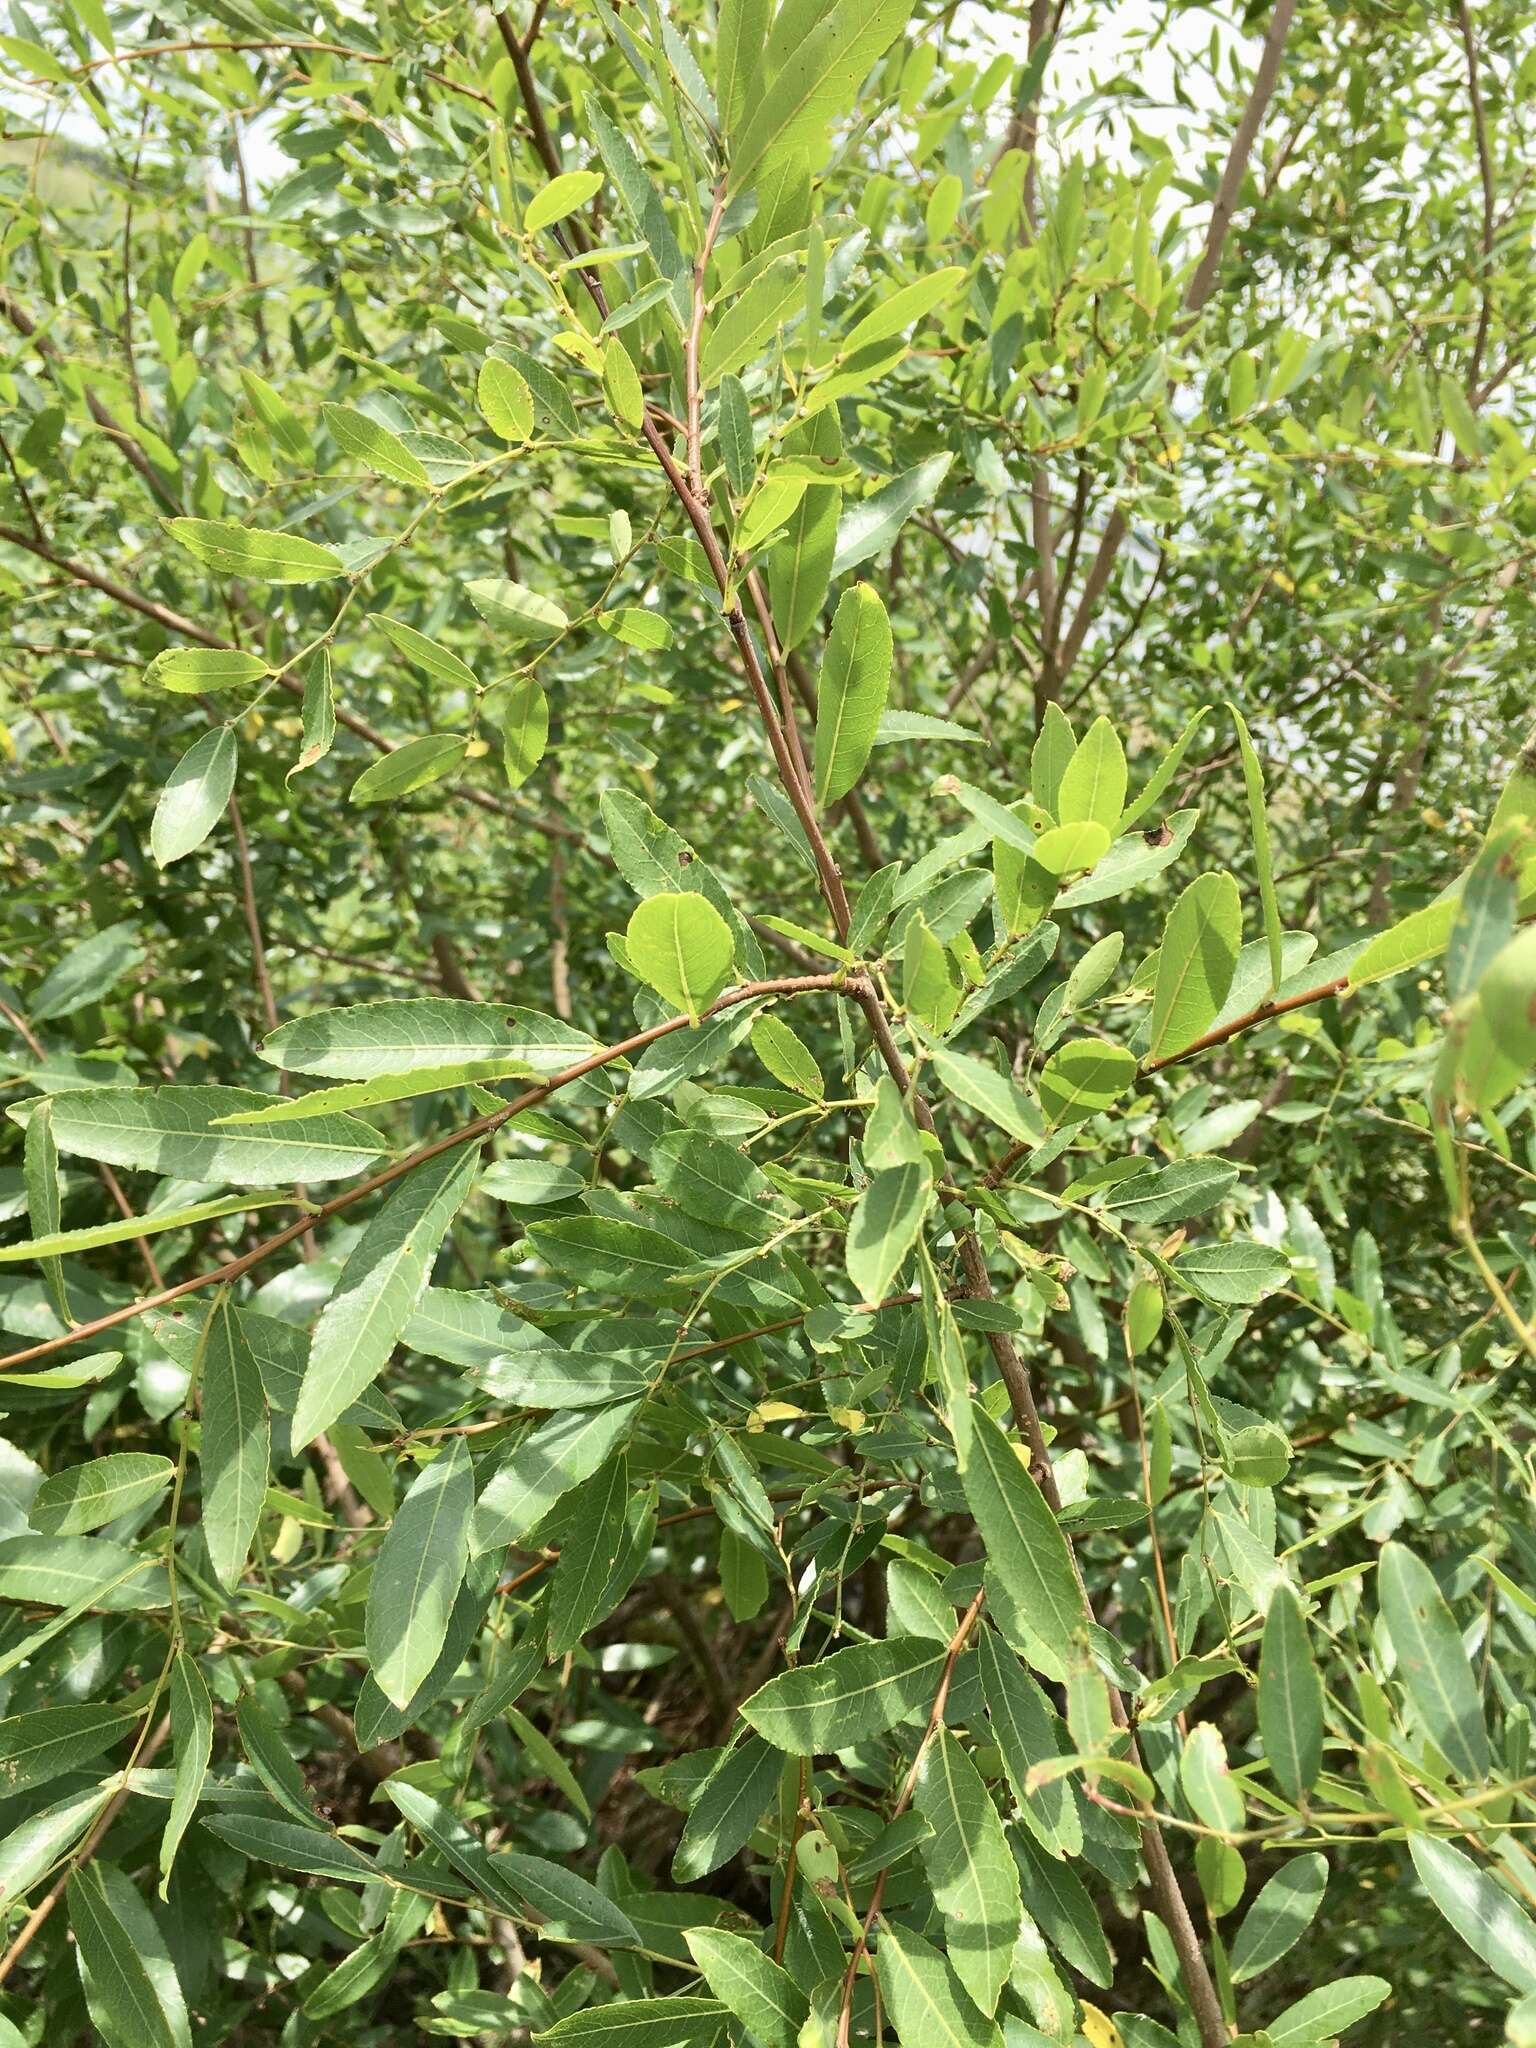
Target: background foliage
766	1038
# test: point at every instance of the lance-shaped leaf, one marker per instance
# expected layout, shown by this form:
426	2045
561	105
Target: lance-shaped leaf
641	2023
1028	1561
1196	963
851	693
1258	826
972	1873
1324	2014
120	1991
727	1808
683	947
362	438
1290	1697
760	1992
1091	789
812	84
367	1041
550	1460
193	800
1482	1912
418	1572
591	1537
44	1744
192	1745
885	1225
1279	1916
1025	1730
232	550
1433	1663
85	1497
848	1696
236	1444
45	1202
381	1282
928	2004
177	1131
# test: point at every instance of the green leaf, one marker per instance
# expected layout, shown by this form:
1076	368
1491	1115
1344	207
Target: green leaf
292	1848
192	670
410	766
847	1696
592	1536
1196	962
523	710
869	526
726	1809
1279	1916
1092	785
786	1055
885	1225
980	1085
1422	936
61	1571
850	697
438	662
1022	1722
760	1992
174	1130
45	1204
1083	1078
1056	1897
640	2023
812	85
1506	996
739	51
361	437
929	2006
750	317
66	1242
418	1572
1237	1271
1028	1560
368	1040
1258	826
519	613
1051	756
570	1908
85	1497
192	1741
120	1992
551	1459
380	1284
1432	1663
1482	1912
506	403
194	799
682	946
1068	849
235	1446
1324	2014
737	451
232	550
284	1109
561	196
903	309
42	1745
974	1879
1290	1697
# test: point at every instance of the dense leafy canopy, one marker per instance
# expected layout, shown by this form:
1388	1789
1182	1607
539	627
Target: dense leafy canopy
766	1024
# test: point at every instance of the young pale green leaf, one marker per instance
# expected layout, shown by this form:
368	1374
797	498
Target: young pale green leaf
1290	1697
846	1696
410	766
285	1109
192	1744
811	85
523	710
380	1284
365	441
1161	778
506	403
930	987
850	697
928	2004
1433	1663
418	1572
438	662
1482	1912
1324	2014
885	1225
1092	785
1028	1560
1069	849
236	1444
191	670
193	800
1196	962
1051	756
902	309
64	1243
517	612
84	1497
1279	1916
175	1130
1506	996
974	1879
683	947
760	1992
232	550
561	196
